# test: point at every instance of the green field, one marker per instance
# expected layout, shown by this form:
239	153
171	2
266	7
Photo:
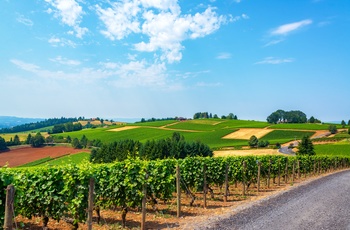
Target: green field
302	126
283	136
336	149
69	159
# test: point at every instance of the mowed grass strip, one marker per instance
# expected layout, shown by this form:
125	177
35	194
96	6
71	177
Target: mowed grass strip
75	159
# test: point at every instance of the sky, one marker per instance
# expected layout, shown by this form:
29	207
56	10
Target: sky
167	58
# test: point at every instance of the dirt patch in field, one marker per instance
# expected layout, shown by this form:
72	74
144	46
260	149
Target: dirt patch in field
123	128
24	155
255	152
245	134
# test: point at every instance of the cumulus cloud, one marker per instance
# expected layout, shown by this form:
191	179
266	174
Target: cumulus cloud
288	28
275	61
161	22
24	20
70	13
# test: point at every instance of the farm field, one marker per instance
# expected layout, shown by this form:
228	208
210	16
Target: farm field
336	149
302	126
209	131
20	156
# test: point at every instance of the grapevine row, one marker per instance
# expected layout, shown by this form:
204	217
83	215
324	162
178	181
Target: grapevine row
61	192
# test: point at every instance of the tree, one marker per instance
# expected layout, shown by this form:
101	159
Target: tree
16	140
69	139
76	144
216	116
343	124
38	140
49	140
306	147
230	116
349	131
333	129
2	144
83	141
312	119
253	141
29	139
348	122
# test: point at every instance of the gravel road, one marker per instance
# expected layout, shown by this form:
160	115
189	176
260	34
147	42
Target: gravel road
320	204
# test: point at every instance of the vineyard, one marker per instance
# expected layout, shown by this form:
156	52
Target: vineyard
62	192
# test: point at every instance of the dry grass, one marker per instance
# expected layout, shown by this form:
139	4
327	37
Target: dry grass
245	134
123	128
255	152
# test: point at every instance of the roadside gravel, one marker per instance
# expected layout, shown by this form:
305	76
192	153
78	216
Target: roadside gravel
323	203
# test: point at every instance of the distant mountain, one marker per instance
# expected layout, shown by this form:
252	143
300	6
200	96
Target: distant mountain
9	121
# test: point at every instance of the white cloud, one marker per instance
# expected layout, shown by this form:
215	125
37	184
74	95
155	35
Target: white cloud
206	84
70	13
224	56
161	22
275	61
273	42
65	61
24	21
121	75
55	42
288	28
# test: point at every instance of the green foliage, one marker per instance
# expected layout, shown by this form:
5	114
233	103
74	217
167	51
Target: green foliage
37	141
282	136
336	149
175	147
287	117
3	145
253	141
333	129
343	124
76	144
306	147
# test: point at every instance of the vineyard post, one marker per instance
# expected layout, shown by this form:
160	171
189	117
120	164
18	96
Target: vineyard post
269	174
178	191
243	177
91	203
10	195
293	171
286	172
226	184
205	186
319	166
279	173
314	167
299	176
259	168
144	200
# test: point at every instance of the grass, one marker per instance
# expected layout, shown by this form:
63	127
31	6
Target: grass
302	126
283	136
336	149
48	161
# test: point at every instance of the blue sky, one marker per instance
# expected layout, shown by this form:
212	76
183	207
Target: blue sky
166	58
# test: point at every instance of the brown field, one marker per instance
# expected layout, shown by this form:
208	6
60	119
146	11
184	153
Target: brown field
245	134
28	154
255	152
123	128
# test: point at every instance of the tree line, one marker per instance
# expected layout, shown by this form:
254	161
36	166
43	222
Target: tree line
281	116
38	125
174	147
206	115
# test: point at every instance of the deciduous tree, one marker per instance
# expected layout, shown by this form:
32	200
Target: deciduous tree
306	147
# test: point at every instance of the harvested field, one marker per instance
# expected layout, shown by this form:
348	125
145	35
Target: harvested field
28	154
255	152
123	128
245	134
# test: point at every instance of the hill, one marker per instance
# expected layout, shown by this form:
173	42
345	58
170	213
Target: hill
11	121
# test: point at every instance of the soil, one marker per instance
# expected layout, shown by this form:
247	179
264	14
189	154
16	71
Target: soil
245	134
26	154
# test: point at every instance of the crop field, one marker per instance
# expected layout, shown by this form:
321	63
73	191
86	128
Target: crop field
302	126
22	136
154	123
282	136
247	133
336	149
75	159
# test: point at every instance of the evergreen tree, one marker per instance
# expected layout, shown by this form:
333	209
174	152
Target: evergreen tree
306	147
2	144
38	140
29	139
343	124
83	141
16	140
76	144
